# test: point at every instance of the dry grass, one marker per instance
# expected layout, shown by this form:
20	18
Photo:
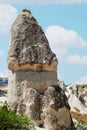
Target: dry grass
79	117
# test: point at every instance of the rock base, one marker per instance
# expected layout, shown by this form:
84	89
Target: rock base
49	110
20	81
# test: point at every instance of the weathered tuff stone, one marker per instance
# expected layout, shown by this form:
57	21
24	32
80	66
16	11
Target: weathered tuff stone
55	110
49	109
32	84
29	47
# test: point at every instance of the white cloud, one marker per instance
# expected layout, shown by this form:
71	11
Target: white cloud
44	1
7	16
3	74
77	59
1	52
61	40
83	80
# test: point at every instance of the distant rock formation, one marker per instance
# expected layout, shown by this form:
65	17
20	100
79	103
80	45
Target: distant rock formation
77	97
32	83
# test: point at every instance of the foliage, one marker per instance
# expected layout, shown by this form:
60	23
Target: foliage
10	120
81	126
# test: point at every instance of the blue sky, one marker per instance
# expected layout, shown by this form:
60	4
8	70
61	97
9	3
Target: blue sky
65	25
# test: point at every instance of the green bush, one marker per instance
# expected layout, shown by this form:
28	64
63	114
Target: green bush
81	126
10	120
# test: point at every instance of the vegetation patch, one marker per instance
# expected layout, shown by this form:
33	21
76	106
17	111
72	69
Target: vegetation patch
81	126
9	120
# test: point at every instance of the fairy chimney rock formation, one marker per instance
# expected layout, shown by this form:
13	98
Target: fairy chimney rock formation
32	82
29	47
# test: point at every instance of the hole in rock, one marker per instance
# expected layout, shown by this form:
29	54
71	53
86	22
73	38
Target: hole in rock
41	125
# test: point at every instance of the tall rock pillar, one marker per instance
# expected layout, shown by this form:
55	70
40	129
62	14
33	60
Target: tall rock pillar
32	84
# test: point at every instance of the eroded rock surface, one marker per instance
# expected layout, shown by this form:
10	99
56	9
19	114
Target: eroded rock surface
32	82
55	110
29	47
49	109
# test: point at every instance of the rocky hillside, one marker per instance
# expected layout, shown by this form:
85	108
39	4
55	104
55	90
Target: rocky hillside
77	99
77	96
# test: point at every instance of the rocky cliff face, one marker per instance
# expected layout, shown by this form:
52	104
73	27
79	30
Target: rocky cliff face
32	83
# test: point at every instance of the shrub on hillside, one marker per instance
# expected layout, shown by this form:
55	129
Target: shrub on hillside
10	120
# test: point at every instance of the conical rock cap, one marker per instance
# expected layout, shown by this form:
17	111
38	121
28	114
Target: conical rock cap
28	44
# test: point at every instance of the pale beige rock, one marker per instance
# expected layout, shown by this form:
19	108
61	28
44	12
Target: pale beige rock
55	110
32	67
29	48
32	83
